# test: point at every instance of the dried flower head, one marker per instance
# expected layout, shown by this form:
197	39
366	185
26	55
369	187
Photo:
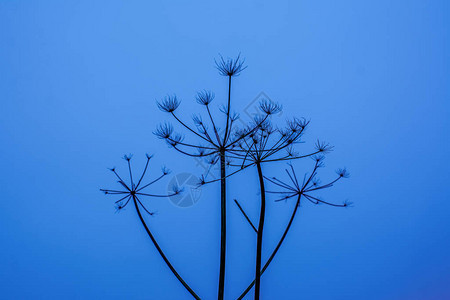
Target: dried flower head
323	147
269	107
132	191
305	188
230	67
164	131
342	172
296	125
204	97
169	104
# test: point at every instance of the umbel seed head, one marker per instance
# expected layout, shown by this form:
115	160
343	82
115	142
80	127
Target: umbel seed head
164	131
269	107
169	104
204	97
230	67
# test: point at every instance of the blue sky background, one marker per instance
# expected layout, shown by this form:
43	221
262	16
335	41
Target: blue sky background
78	85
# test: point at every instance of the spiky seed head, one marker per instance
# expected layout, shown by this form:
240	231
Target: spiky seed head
127	157
291	151
315	181
323	147
269	107
169	104
234	116
176	189
164	170
297	125
318	158
175	139
198	121
201	181
164	131
343	173
347	203
204	97
230	67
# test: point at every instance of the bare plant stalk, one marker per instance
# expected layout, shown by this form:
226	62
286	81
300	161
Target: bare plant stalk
162	253
131	191
245	215
256	143
223	203
215	150
228	111
223	226
309	185
294	212
260	231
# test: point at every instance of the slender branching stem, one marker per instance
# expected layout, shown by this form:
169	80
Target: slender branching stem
213	125
191	130
262	214
286	230
225	138
135	200
223	225
245	215
294	212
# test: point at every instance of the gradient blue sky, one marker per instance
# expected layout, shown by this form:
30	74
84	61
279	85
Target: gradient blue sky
78	84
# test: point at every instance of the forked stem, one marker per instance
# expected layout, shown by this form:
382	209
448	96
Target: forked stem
294	212
262	214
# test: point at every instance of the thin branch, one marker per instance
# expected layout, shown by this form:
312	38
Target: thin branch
245	215
166	260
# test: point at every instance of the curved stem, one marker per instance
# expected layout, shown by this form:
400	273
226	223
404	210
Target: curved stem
162	253
276	248
223	225
260	232
191	130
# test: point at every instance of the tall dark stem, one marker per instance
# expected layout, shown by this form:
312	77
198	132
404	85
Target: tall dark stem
262	214
223	205
228	111
162	253
223	225
294	212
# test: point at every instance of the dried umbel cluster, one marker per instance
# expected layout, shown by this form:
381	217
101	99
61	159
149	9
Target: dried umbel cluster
236	148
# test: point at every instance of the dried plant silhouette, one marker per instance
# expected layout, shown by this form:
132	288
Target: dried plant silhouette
132	192
266	145
293	188
214	145
235	147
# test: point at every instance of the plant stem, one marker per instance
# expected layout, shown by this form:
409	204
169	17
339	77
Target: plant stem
223	225
245	215
223	205
162	253
262	214
276	248
228	111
